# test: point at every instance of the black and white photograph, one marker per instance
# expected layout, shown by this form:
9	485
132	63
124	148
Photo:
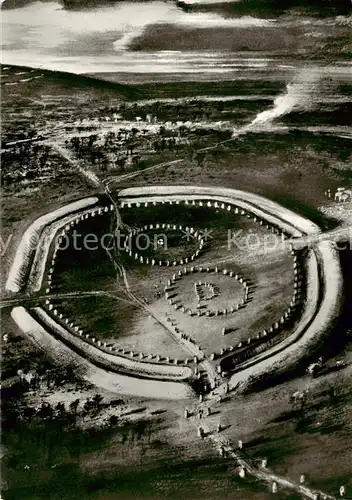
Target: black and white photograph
176	249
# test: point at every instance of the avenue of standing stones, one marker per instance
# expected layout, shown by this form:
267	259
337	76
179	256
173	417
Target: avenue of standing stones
139	363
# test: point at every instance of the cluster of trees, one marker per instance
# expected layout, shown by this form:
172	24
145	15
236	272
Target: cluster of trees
17	410
108	151
49	377
188	110
34	372
18	134
26	162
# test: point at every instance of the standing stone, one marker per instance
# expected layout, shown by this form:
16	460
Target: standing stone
200	432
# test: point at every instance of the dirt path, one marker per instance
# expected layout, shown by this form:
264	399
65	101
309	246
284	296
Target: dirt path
123	177
246	465
193	349
24	299
88	174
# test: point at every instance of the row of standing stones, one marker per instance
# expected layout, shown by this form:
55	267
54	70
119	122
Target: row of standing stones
166	359
103	345
66	229
188	232
77	330
262	336
199	312
263	340
210	204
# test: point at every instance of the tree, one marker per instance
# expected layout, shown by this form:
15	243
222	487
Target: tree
97	400
45	411
88	405
74	406
60	409
28	413
113	421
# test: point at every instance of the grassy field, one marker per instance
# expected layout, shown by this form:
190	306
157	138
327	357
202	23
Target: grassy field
283	167
84	266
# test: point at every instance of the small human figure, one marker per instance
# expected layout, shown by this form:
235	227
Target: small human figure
218	429
240	444
342	491
264	463
242	472
302	478
274	487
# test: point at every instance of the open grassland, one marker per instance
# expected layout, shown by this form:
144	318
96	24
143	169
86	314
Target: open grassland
282	167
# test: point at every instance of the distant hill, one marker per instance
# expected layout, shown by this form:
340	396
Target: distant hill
270	8
64	82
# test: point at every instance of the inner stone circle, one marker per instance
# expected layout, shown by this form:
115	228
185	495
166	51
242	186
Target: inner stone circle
198	296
